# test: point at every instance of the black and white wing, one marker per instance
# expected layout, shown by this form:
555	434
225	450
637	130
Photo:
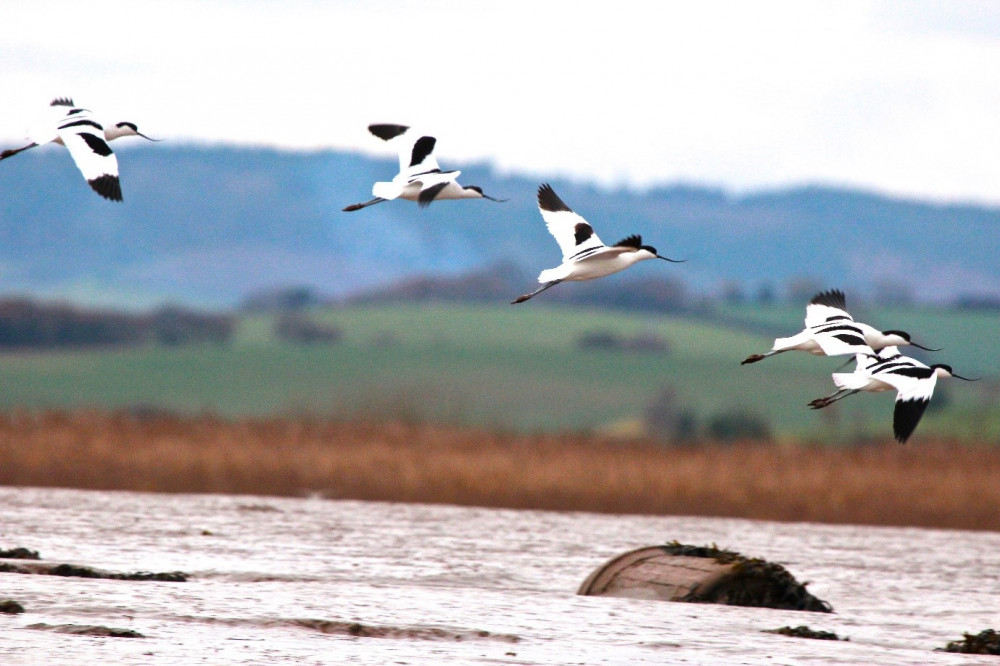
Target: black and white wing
416	152
841	338
574	234
833	328
827	306
83	136
914	383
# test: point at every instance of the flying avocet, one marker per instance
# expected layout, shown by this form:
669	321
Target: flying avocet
891	371
831	331
420	178
585	257
87	141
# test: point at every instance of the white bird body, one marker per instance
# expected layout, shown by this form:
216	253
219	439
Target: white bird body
420	179
86	138
606	261
889	370
831	331
585	257
443	184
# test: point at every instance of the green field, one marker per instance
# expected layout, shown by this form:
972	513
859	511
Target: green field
518	369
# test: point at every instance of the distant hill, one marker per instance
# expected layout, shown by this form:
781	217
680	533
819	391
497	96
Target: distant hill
209	225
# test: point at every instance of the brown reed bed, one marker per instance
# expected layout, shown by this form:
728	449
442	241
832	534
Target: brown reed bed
929	484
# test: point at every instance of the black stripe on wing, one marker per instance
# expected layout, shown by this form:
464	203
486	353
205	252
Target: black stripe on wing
888	366
905	418
832	328
852	340
833	298
107	186
62	101
635	241
417	176
421	149
427	195
550	201
582	232
96	143
911	371
387	132
83	122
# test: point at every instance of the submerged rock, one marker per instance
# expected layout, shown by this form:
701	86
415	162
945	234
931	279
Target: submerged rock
77	571
360	630
803	631
985	642
10	607
700	574
87	630
20	553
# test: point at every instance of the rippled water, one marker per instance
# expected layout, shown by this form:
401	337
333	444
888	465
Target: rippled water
289	581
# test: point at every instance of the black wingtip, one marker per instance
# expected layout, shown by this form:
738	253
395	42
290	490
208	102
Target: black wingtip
422	147
550	201
107	186
387	132
62	101
427	195
905	418
833	298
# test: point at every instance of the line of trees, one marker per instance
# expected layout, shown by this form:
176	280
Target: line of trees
27	324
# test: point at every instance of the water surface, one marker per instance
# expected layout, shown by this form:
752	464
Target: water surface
314	581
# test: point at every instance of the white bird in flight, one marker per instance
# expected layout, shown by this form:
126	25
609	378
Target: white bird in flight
420	178
831	331
585	257
891	371
87	141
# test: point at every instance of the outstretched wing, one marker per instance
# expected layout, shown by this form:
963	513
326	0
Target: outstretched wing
416	152
827	306
841	337
427	194
432	184
84	138
911	401
573	233
914	383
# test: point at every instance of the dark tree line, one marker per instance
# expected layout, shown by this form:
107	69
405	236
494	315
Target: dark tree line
27	324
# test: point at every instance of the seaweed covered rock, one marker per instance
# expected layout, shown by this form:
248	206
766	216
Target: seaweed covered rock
985	642
802	631
700	574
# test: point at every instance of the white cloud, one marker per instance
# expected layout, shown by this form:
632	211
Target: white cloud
897	96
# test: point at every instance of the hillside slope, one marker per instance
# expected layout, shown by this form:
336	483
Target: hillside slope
207	225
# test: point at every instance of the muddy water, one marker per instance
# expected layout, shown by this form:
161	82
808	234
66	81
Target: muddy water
313	581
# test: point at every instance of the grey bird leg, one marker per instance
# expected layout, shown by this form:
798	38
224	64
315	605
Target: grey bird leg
522	299
820	403
359	206
14	151
753	358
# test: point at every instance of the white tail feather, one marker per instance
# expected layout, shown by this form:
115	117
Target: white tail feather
386	190
550	274
850	380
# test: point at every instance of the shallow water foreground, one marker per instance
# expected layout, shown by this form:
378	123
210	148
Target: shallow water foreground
313	581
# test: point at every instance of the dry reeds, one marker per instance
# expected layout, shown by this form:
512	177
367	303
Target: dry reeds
938	484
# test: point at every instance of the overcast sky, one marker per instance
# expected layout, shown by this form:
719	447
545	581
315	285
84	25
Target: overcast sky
901	97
